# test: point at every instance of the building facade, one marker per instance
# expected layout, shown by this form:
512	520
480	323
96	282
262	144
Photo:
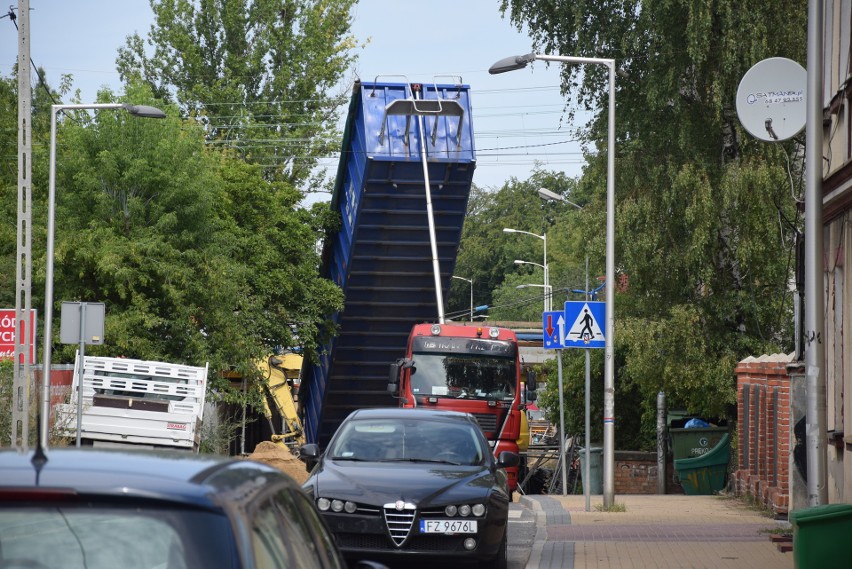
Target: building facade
837	203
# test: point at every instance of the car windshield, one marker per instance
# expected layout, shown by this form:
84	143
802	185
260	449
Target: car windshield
93	537
463	376
405	440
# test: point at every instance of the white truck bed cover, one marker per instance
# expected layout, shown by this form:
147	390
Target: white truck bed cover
137	401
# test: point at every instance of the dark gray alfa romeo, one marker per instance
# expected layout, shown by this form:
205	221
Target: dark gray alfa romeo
420	484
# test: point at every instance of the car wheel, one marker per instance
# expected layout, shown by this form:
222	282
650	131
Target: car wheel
501	560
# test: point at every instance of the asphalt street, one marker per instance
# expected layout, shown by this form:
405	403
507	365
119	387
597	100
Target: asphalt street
522	529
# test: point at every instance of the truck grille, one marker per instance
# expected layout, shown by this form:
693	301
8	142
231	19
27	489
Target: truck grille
487	422
399	518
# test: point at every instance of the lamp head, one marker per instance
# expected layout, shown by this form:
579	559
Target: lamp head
546	194
144	111
511	63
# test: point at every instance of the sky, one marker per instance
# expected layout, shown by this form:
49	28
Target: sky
516	116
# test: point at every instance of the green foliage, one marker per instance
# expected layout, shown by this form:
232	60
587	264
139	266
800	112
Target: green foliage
487	254
198	256
631	431
190	229
705	216
6	392
9	188
7	401
614	507
259	74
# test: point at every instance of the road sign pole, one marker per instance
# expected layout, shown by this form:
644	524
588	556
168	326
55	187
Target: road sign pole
562	425
588	396
586	475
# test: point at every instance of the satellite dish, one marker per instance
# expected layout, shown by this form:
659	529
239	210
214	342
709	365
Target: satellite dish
771	99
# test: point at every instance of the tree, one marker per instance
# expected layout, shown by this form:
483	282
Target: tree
487	254
259	74
197	256
705	222
9	185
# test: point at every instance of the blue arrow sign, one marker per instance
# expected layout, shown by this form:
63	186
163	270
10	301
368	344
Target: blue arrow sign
553	330
585	325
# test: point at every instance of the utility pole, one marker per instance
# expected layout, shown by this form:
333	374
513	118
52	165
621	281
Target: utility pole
814	266
23	266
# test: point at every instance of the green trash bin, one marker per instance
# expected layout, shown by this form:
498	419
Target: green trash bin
595	469
695	442
705	474
821	536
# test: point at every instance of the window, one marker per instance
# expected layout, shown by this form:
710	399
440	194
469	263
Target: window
279	537
126	537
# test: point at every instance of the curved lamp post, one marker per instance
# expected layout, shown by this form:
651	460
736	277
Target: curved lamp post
548	294
471	293
519	62
143	111
543	266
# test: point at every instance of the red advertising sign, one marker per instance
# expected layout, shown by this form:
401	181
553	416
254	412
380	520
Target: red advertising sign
7	334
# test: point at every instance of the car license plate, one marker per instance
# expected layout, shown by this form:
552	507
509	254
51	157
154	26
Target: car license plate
447	526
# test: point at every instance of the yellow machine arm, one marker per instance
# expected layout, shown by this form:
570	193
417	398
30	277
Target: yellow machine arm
280	373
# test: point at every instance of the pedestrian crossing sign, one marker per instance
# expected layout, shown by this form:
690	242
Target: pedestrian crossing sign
585	323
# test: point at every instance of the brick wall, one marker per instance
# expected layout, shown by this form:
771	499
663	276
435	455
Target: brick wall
636	473
763	437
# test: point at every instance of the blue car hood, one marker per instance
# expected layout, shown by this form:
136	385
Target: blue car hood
383	483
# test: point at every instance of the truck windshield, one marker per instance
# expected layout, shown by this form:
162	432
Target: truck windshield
463	376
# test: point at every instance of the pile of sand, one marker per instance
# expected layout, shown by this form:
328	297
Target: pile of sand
281	458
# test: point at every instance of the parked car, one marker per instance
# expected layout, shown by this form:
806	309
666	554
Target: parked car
108	509
420	484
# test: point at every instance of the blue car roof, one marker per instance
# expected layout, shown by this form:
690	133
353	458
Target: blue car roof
186	478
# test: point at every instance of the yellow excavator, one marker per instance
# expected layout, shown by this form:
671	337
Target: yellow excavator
282	374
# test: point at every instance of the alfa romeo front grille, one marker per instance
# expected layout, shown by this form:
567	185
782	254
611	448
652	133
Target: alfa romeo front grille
399	518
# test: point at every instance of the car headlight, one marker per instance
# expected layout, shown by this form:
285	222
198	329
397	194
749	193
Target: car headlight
324	505
451	511
478	510
464	511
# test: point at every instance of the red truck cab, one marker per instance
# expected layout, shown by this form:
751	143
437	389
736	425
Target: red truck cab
472	369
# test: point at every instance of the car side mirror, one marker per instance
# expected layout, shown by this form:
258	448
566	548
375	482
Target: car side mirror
531	384
531	396
508	459
309	454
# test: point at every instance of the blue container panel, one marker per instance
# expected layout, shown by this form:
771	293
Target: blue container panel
376	98
388	327
389	294
412	280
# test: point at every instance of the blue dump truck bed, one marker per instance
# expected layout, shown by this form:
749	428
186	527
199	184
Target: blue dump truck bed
381	257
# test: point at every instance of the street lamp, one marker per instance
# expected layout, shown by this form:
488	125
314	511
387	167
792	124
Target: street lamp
543	266
471	293
519	62
143	111
546	194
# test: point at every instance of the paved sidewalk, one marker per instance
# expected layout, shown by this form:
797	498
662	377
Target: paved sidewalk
654	532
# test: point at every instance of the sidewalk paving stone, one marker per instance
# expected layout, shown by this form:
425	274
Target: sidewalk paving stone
654	532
